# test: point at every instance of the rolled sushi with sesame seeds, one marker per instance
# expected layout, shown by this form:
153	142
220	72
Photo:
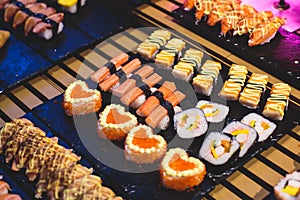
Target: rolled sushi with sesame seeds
213	112
263	126
190	123
243	134
217	148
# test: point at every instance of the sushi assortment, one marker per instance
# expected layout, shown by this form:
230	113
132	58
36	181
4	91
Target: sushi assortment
263	127
190	123
251	94
56	168
277	102
188	65
203	83
241	19
35	17
80	100
170	53
154	43
217	148
180	172
4	189
143	147
4	36
213	112
233	86
288	187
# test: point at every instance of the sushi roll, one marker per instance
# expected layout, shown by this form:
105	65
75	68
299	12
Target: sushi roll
188	65
190	123
233	86
263	127
213	112
217	148
151	46
115	123
180	172
71	6
243	134
256	85
143	147
170	54
288	188
203	83
80	100
277	103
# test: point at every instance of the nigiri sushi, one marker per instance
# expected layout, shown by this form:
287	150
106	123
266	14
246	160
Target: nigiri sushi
71	6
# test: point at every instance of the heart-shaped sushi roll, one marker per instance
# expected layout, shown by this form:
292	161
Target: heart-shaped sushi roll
80	100
217	148
179	171
243	134
115	123
190	123
213	112
288	187
142	146
263	127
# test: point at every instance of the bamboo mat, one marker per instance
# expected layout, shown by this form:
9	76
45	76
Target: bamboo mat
254	180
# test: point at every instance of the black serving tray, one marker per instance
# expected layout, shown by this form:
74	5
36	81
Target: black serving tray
146	183
23	57
279	57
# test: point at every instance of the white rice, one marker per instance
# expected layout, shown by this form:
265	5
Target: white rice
164	123
48	33
205	150
216	118
251	136
190	123
262	133
282	195
73	9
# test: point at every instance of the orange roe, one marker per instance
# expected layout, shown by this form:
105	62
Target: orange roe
115	117
143	141
179	164
78	92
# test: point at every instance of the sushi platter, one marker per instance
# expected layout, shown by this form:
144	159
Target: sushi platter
86	142
121	80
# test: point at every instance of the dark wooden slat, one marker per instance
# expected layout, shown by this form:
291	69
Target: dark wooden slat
287	152
271	164
35	92
235	190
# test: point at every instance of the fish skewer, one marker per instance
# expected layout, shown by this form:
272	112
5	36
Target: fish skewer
136	79
158	96
121	73
160	115
137	95
109	68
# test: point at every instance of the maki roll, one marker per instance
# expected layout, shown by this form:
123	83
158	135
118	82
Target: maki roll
217	148
71	6
115	123
289	187
213	112
142	146
190	123
263	127
243	134
178	171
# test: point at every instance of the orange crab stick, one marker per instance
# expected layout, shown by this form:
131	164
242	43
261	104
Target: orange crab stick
130	83
109	68
113	79
135	92
165	90
157	115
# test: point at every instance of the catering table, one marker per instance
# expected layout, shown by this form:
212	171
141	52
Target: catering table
37	93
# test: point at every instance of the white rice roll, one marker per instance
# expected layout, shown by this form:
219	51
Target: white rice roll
190	123
288	188
244	135
217	148
213	112
263	126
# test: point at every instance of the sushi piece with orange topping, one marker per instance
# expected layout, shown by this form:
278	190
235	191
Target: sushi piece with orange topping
80	100
115	123
143	147
180	172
